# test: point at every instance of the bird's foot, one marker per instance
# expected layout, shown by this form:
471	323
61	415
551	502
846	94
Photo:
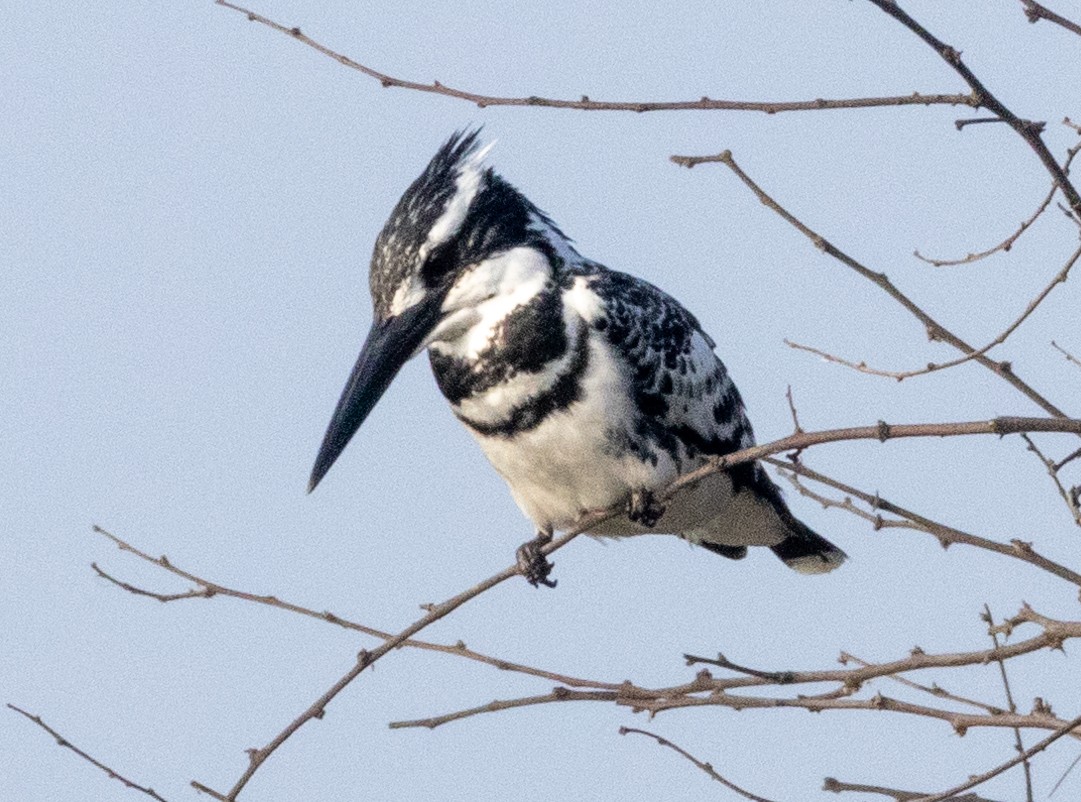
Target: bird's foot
644	509
535	567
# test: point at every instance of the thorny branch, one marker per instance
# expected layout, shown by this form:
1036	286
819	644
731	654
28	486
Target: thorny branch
64	742
1018	741
207	589
587	104
837	787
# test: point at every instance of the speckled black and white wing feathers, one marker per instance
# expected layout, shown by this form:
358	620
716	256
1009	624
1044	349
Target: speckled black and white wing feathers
688	409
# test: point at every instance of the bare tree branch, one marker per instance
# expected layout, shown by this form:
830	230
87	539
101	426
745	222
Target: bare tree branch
1006	244
946	535
64	742
586	104
935	330
207	590
1027	129
979	779
1036	12
1018	741
838	787
1060	278
1070	497
706	767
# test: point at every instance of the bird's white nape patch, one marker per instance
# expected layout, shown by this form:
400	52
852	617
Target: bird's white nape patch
467	185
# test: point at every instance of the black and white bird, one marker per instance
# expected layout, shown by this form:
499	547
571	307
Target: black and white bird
586	388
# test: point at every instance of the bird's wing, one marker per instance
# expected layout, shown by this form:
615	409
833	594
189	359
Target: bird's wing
689	406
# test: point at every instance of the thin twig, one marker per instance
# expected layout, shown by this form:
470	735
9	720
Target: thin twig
64	742
1068	496
946	535
1069	357
934	689
706	767
1059	278
1026	129
935	330
1007	243
836	786
979	779
1018	742
1036	12
207	590
586	104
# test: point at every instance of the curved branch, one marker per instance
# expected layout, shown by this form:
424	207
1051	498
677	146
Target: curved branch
935	330
706	767
207	590
586	104
933	367
64	742
1007	243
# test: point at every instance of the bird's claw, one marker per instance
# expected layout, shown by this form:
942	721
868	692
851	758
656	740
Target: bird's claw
533	564
644	509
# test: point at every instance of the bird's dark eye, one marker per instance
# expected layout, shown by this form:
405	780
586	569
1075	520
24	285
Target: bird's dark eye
440	261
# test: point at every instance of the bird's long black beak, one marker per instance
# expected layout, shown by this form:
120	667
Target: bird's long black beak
390	344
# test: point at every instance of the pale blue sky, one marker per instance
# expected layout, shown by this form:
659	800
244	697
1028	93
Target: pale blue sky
187	206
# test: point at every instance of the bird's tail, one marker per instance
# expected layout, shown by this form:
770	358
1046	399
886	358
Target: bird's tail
805	550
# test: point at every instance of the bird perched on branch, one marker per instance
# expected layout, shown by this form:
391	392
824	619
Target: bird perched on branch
586	388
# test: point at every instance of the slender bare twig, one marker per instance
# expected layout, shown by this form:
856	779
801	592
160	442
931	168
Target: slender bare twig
586	104
1026	129
1070	497
946	535
838	787
707	690
1065	774
1036	12
706	767
935	330
979	779
934	689
1059	278
1019	743
64	742
1006	244
207	590
659	700
365	659
1069	357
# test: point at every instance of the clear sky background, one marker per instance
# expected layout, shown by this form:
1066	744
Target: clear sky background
188	202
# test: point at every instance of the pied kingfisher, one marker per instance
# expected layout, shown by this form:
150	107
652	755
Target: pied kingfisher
586	388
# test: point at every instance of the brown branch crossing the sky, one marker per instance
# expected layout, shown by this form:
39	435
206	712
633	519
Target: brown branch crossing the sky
584	103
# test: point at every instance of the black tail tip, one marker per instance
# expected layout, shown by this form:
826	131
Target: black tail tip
809	553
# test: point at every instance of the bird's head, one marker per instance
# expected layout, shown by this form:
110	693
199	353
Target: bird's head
449	227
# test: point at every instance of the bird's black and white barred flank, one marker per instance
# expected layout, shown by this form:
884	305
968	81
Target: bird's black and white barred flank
585	387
